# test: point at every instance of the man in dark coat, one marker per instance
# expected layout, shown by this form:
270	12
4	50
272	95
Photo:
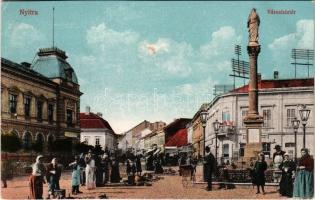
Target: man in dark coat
209	167
138	165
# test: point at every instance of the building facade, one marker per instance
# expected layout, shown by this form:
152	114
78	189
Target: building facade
137	133
278	104
97	131
40	102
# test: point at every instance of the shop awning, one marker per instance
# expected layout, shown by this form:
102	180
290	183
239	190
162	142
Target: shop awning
72	134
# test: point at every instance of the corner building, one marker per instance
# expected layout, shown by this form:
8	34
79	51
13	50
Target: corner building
40	101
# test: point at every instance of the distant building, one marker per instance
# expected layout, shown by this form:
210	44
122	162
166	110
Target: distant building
135	144
125	141
195	126
278	104
154	138
40	102
176	133
96	131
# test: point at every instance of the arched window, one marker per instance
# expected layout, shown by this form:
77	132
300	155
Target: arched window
14	132
39	138
50	141
27	140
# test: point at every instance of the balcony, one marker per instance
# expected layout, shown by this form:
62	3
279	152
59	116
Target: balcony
226	130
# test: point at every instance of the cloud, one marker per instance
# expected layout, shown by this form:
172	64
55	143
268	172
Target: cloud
302	38
221	41
23	34
23	38
103	37
162	45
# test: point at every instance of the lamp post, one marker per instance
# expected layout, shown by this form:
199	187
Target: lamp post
304	114
203	119
216	126
295	124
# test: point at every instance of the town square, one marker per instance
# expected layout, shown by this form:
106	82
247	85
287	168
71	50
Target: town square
157	100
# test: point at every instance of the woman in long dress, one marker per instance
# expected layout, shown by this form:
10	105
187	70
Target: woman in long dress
286	183
37	179
304	180
90	172
115	175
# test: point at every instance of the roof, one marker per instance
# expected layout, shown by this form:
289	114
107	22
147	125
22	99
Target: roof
174	126
143	122
23	69
93	121
52	64
279	83
178	139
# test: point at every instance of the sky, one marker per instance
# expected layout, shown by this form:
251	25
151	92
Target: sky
155	61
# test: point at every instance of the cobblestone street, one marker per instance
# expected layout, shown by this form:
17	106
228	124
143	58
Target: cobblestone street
169	186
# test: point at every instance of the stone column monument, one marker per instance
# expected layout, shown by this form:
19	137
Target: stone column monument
253	121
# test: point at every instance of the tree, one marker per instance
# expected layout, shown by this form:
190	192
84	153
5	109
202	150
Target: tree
82	147
62	145
37	146
10	143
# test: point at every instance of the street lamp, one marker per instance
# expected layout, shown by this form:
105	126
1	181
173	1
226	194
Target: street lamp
304	114
203	119
295	124
216	126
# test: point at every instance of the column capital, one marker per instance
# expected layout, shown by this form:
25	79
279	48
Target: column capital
253	50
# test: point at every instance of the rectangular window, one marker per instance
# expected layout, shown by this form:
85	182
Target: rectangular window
225	116
289	144
12	103
50	113
39	110
69	117
242	148
267	118
290	116
225	150
244	114
97	140
86	140
266	148
27	106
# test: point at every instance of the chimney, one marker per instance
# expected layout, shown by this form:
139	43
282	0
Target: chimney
26	65
275	75
258	77
87	110
99	114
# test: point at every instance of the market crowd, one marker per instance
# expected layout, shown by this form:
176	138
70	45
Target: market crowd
90	170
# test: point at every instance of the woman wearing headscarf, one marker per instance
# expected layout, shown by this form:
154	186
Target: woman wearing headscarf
36	180
304	180
75	178
53	174
286	184
259	178
90	171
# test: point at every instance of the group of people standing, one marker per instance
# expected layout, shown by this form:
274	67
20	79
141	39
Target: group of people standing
88	170
39	172
296	177
94	171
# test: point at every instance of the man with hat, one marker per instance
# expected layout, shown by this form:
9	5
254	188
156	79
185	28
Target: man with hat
278	157
209	167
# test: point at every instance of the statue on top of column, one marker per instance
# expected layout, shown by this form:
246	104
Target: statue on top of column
253	26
